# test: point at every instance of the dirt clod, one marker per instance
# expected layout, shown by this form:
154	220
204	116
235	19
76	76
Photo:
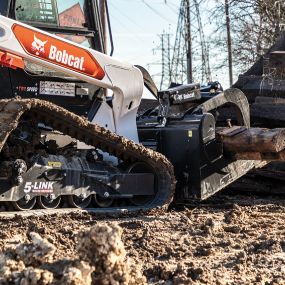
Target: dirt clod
36	252
78	274
101	259
102	247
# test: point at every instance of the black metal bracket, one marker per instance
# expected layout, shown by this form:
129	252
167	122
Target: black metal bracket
231	96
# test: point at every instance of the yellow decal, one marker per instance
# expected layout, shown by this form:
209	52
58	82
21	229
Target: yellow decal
55	164
190	134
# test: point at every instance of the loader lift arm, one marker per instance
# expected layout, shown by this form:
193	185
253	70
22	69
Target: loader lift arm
20	43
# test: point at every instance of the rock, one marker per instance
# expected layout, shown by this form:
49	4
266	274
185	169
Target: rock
35	276
103	248
36	252
79	274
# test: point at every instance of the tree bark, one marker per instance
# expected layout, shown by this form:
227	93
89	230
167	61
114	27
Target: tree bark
229	42
253	142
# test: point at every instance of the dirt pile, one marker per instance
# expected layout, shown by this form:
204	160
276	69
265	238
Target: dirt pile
101	260
229	240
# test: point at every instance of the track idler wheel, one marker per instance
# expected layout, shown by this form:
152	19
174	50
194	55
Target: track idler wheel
24	203
48	202
75	201
102	202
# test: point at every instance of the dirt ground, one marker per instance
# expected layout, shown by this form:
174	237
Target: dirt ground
228	240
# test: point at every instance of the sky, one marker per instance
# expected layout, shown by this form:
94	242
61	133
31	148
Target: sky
137	24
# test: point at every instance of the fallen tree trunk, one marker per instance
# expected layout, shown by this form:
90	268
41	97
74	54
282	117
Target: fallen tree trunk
268	114
280	156
240	139
253	143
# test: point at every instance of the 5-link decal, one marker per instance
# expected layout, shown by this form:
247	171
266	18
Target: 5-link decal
39	187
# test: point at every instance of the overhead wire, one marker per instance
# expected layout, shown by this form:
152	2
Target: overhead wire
127	29
126	16
172	9
156	12
152	6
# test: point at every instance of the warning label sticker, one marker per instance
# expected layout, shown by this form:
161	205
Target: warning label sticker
57	88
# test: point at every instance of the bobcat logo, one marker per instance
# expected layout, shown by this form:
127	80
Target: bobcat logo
38	46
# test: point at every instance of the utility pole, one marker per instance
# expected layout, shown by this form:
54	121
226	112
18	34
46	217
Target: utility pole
188	42
103	17
169	59
230	51
165	63
162	61
166	74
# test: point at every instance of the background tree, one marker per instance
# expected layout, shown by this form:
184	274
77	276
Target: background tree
255	26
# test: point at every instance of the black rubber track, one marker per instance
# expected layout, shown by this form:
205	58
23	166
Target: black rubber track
81	129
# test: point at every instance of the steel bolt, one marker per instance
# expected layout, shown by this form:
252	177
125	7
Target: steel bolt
82	195
20	180
51	197
229	123
27	197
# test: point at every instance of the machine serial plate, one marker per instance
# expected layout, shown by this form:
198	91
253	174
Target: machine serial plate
57	88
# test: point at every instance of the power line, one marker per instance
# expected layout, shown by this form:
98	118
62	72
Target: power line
126	16
172	9
126	29
156	12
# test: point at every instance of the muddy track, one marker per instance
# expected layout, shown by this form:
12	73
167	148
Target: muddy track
11	112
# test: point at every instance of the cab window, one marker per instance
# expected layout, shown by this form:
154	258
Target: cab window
61	13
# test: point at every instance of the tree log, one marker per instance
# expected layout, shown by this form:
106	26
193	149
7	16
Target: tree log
272	111
252	141
280	156
269	100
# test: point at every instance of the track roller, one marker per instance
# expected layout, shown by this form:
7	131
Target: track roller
102	202
24	204
75	201
48	202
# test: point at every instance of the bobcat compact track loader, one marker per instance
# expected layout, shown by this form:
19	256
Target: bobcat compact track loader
108	157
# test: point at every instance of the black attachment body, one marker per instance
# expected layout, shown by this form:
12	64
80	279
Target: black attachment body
186	134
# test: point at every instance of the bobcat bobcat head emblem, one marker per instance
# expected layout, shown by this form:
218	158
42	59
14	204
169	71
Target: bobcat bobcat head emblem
38	46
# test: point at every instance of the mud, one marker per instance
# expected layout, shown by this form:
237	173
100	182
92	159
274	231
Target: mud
227	240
